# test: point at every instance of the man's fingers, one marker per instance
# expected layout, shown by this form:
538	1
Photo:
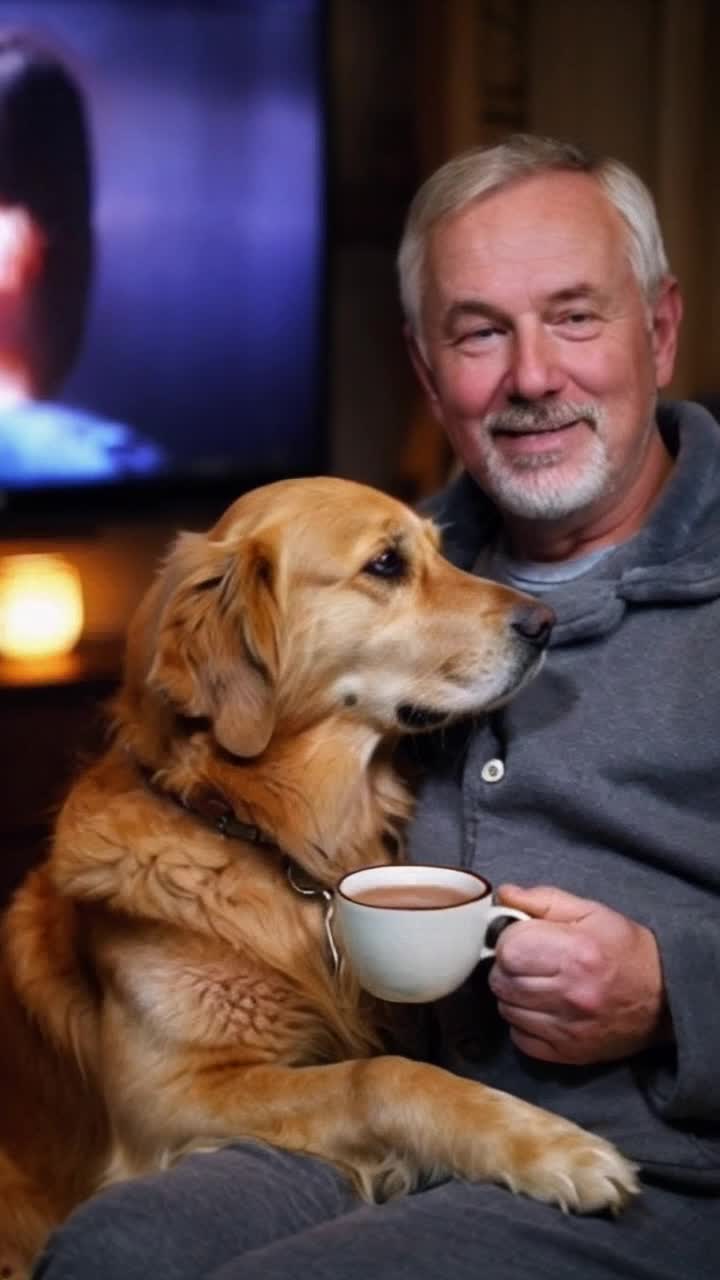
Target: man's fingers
534	948
542	1036
538	1027
540	994
541	1050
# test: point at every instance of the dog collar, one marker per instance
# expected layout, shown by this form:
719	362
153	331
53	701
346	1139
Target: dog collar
314	890
211	808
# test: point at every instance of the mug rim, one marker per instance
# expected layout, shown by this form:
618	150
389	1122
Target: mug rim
420	866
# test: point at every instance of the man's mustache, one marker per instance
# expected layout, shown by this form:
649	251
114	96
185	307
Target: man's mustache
541	417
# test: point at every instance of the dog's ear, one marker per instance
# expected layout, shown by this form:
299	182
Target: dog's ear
217	642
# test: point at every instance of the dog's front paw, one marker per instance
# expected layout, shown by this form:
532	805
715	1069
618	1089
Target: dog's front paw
577	1171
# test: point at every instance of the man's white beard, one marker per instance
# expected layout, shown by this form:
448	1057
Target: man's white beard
537	486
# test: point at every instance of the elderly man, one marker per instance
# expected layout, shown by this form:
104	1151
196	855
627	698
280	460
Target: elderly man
542	319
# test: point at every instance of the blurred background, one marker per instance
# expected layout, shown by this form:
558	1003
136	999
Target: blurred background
253	161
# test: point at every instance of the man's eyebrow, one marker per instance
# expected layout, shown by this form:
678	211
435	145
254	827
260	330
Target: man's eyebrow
477	308
469	308
578	292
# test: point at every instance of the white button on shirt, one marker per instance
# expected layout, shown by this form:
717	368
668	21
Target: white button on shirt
492	771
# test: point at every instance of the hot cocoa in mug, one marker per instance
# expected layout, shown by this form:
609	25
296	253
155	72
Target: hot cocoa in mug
412	896
414	933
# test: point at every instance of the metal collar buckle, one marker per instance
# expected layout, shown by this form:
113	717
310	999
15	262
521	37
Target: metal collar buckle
318	891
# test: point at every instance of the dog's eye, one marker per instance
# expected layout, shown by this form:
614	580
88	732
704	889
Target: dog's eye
389	564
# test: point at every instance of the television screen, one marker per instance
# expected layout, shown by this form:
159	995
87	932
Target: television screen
162	245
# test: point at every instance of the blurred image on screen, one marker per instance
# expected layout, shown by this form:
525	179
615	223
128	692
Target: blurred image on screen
188	327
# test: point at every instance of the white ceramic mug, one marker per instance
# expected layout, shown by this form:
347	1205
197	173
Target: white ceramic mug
417	952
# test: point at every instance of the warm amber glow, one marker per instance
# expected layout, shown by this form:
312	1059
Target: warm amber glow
41	606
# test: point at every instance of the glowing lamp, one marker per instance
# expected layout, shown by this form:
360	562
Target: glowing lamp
41	607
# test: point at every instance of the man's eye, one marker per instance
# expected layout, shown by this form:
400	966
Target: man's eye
481	334
389	564
578	324
578	319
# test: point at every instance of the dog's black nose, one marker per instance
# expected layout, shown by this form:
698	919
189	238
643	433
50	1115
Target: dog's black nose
534	622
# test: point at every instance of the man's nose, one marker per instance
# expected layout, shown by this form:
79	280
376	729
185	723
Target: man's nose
534	369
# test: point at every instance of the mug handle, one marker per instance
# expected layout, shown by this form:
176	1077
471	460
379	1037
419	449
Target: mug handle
499	917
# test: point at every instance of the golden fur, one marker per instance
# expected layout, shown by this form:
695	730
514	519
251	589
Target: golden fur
162	984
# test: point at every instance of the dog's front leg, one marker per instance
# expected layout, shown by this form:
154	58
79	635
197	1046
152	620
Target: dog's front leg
390	1123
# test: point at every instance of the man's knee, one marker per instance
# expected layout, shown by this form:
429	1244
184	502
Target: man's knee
114	1235
186	1222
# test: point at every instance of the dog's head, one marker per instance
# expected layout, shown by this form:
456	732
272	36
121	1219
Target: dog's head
323	598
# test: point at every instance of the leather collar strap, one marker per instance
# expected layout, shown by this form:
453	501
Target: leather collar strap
213	809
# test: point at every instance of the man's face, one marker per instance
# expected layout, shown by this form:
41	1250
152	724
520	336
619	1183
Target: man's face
540	353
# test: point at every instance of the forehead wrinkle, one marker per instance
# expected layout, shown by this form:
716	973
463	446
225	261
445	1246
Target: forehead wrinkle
539	223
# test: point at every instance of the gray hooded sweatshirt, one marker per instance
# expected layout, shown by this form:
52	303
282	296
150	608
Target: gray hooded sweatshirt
610	790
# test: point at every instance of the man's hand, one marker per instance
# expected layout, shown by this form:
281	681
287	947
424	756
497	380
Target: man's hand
579	983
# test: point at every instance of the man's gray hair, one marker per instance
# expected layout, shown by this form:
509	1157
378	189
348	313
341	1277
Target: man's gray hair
482	170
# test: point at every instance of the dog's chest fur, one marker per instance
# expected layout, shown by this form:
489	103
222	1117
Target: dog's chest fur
190	988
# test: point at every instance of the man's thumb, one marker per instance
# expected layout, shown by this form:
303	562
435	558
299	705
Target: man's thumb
545	902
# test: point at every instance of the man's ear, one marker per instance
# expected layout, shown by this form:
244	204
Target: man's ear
666	318
423	371
217	649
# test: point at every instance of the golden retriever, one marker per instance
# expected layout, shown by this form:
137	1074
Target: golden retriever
163	982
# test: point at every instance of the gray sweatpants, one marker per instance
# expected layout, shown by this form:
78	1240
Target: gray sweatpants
251	1212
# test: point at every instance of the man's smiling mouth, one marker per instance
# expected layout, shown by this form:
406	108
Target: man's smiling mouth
536	430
